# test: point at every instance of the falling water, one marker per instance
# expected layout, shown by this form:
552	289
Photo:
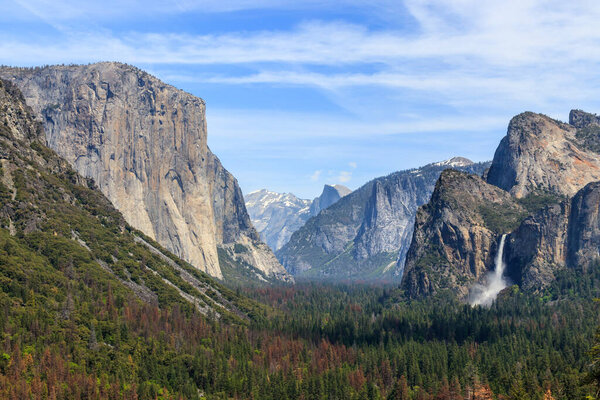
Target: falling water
485	295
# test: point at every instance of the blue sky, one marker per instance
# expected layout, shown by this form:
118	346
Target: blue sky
302	93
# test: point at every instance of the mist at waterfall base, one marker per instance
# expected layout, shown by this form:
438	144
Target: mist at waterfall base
485	295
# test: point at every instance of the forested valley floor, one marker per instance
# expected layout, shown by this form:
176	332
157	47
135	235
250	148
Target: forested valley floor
307	342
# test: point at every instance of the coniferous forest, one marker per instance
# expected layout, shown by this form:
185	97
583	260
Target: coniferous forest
67	339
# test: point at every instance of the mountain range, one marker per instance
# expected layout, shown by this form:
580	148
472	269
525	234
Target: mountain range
366	234
143	145
277	215
62	239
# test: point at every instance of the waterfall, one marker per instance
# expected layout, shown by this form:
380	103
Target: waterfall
485	295
499	265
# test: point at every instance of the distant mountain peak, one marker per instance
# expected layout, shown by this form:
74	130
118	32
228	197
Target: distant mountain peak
342	190
366	234
330	195
454	162
277	216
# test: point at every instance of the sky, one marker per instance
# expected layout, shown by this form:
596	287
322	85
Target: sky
302	93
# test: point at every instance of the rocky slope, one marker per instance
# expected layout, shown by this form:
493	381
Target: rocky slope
546	171
583	244
277	215
145	145
61	236
365	235
455	236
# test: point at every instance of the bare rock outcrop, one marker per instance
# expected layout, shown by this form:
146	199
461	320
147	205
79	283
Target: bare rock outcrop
584	227
456	234
545	196
537	249
539	153
145	144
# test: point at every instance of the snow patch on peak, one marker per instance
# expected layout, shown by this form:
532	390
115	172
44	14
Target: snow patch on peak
454	162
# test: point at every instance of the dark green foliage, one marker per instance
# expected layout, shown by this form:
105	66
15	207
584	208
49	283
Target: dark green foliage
90	308
524	342
589	136
539	199
500	218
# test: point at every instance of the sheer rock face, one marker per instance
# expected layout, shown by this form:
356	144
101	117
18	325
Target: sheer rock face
330	195
456	235
584	227
145	144
538	247
389	214
564	235
544	154
366	234
581	119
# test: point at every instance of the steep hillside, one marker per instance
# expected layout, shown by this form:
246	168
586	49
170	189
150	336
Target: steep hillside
79	287
456	234
50	211
277	215
366	234
145	145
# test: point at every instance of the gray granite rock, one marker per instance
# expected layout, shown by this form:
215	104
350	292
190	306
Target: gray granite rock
145	144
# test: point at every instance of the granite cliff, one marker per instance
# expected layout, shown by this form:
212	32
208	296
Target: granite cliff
145	145
455	234
64	242
539	153
330	195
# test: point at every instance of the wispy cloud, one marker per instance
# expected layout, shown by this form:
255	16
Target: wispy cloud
455	66
513	48
507	35
316	175
344	176
68	10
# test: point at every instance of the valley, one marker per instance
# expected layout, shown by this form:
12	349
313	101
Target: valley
132	266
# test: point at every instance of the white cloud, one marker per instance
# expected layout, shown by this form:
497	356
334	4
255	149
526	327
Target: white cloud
258	126
463	52
470	63
462	34
344	176
315	176
352	165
